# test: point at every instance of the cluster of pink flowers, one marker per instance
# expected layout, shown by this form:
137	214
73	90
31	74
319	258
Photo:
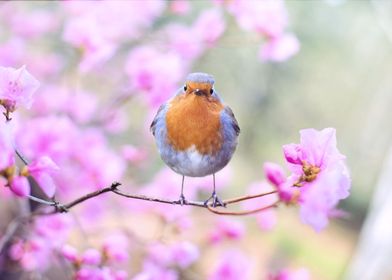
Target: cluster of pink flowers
95	264
36	250
97	30
319	178
17	87
269	19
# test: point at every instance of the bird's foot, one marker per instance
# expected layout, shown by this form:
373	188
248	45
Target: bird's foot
216	201
182	200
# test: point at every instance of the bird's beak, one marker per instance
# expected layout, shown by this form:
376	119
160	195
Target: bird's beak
198	92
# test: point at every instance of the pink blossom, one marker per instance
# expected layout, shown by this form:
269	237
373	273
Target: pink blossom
152	271
209	26
70	253
16	251
319	198
91	257
51	136
12	52
92	150
274	173
284	186
117	121
317	148
159	254
45	64
40	169
93	273
44	103
115	248
320	173
268	17
133	154
232	265
112	19
82	32
42	164
184	254
155	73
291	274
181	254
54	228
178	41
33	23
120	275
293	153
35	255
81	106
226	228
279	48
20	186
180	7
74	149
17	87
98	28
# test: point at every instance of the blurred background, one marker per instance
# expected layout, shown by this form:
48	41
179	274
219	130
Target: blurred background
336	73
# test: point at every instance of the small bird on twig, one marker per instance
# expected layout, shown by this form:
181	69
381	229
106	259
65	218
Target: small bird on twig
195	133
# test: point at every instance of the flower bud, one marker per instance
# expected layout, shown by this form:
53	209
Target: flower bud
91	257
274	173
20	186
70	253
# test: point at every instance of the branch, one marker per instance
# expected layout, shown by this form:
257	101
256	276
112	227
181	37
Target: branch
242	213
9	232
25	161
61	208
247	197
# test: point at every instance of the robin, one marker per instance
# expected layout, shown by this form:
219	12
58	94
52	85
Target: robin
195	132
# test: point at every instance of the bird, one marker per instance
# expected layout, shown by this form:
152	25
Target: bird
195	133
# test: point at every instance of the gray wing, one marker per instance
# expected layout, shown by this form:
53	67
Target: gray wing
154	122
233	120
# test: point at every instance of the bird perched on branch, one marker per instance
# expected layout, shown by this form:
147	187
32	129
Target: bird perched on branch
195	132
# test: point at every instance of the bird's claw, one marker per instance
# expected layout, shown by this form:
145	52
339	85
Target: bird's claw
216	201
182	200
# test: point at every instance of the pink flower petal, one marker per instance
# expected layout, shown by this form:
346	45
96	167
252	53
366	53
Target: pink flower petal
280	48
17	87
20	186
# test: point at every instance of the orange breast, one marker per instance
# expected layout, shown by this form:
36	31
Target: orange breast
194	120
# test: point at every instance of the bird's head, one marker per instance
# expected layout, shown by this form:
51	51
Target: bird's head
200	84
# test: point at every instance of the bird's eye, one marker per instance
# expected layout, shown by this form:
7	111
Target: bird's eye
185	88
211	91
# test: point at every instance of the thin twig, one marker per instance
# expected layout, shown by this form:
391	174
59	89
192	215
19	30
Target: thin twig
242	213
247	197
62	208
162	200
9	232
22	158
112	188
43	201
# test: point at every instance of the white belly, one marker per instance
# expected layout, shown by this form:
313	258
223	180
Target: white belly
193	164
